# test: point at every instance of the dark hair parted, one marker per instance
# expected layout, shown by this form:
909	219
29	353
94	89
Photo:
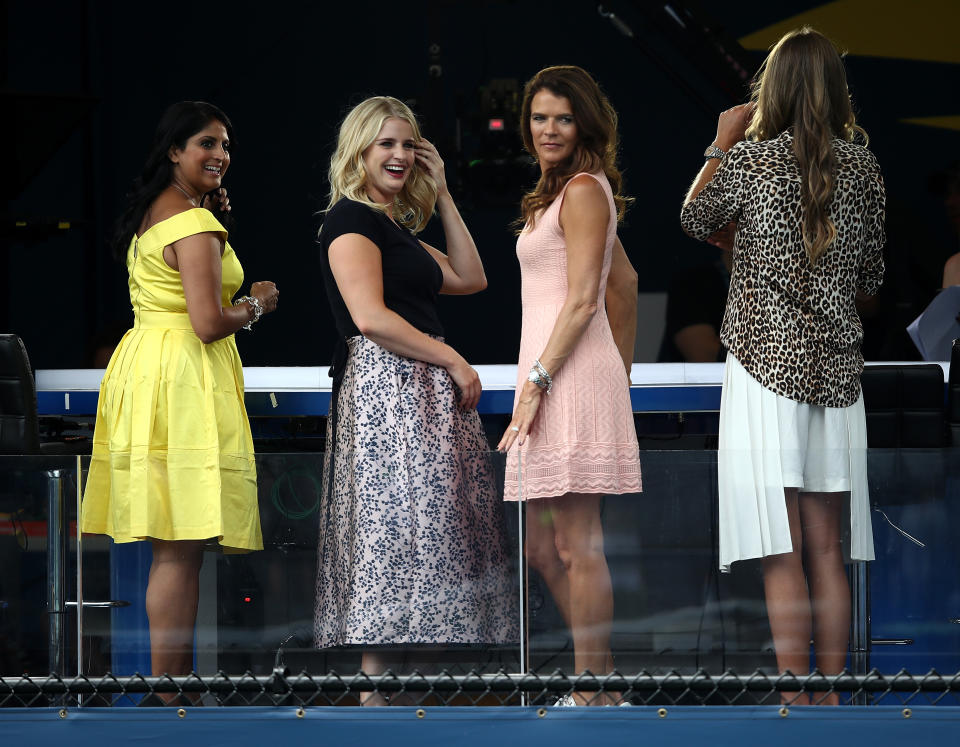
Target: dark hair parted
802	86
597	141
176	126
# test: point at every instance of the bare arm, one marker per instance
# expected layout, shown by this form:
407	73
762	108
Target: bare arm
462	269
198	258
583	217
357	268
621	303
703	178
951	271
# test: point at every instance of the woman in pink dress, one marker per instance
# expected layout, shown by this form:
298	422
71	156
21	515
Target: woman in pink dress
572	439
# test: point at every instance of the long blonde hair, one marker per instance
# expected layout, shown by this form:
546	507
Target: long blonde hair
596	149
802	85
414	205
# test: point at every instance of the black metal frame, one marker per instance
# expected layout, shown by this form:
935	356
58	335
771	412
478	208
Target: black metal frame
503	688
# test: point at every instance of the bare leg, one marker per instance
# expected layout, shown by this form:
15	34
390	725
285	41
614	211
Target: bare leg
542	553
820	515
540	547
172	596
788	603
377	662
579	541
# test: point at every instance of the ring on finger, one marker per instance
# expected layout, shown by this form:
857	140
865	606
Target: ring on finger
515	429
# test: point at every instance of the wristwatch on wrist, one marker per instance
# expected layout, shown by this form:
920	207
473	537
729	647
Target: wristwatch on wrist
539	376
537	379
713	151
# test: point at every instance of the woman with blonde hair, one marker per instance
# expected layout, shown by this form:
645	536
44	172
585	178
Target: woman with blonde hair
411	547
572	428
809	207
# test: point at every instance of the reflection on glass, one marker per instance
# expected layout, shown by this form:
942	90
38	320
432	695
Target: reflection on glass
412	559
914	594
673	610
658	547
257	610
37	533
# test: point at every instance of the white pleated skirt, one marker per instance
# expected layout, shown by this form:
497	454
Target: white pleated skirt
768	443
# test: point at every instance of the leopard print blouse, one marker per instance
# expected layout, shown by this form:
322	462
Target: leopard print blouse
794	327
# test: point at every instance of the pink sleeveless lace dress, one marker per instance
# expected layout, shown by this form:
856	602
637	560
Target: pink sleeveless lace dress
583	439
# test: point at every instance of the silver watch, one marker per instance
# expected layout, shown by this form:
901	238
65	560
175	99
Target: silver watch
713	151
539	376
536	378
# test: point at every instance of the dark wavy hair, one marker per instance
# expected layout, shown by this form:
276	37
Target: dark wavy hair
597	142
177	125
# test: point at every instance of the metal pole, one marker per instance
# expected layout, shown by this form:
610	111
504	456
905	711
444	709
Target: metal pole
56	571
79	571
522	567
860	644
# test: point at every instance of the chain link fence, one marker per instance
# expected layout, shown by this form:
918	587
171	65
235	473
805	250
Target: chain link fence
282	688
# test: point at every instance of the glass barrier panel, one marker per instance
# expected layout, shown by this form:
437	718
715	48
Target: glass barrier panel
673	611
405	582
416	567
37	565
914	582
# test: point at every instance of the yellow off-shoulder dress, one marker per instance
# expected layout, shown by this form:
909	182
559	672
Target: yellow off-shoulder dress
172	451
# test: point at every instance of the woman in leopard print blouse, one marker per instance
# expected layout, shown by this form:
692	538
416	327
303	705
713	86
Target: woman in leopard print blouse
808	204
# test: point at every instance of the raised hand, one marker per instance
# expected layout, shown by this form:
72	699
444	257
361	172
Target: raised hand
732	125
216	200
267	294
428	158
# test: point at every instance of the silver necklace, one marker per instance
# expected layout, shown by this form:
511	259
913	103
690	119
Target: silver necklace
184	193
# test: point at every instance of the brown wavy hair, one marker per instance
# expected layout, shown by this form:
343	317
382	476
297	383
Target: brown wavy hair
597	140
802	86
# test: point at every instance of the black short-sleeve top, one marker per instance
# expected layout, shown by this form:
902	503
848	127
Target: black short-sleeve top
411	276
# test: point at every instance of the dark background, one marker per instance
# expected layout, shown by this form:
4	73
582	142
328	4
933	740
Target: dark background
83	84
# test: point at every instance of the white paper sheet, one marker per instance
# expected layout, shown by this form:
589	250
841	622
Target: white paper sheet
934	331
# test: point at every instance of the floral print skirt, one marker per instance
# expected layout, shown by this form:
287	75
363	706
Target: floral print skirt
411	542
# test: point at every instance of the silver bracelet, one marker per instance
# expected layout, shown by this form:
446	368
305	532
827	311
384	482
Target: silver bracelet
254	304
539	376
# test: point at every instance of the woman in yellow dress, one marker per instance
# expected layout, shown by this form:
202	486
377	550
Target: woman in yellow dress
173	455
